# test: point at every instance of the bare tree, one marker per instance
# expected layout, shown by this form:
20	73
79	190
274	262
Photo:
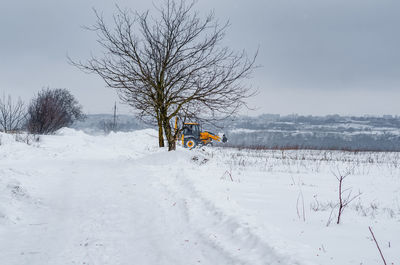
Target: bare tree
171	64
12	115
51	110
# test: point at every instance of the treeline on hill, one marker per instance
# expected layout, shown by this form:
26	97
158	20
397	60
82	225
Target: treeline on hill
367	133
48	111
317	140
270	131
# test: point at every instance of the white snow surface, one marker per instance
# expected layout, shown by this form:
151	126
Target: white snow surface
73	198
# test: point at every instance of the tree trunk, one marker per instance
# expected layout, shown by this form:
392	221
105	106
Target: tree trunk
160	134
169	135
172	145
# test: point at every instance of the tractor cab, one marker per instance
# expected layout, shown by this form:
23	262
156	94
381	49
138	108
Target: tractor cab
191	130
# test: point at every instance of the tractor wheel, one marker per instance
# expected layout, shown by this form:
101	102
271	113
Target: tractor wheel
190	143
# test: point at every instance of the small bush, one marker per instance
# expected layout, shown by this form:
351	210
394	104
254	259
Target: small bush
51	110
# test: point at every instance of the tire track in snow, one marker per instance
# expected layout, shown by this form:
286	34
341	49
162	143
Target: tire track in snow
222	232
101	212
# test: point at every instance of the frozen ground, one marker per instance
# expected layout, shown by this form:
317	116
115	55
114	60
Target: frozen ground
72	198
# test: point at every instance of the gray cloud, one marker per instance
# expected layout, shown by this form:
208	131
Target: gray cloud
322	57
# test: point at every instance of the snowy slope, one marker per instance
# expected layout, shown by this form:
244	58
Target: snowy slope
73	198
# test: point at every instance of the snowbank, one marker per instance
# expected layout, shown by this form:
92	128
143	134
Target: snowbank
6	139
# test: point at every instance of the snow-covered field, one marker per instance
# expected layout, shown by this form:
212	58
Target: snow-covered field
73	198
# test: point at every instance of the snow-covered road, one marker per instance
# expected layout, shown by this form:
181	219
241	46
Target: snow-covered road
101	200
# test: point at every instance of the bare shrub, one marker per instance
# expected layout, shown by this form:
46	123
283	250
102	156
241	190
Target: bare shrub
12	114
345	197
108	126
27	138
315	205
51	110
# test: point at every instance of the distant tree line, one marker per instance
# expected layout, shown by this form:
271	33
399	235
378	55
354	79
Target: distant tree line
273	131
104	123
357	141
294	122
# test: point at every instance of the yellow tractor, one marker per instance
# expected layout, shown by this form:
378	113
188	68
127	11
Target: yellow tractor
192	136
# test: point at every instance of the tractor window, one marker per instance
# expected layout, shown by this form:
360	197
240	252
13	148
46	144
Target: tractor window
191	129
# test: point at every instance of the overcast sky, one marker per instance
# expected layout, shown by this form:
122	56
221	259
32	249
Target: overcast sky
318	56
